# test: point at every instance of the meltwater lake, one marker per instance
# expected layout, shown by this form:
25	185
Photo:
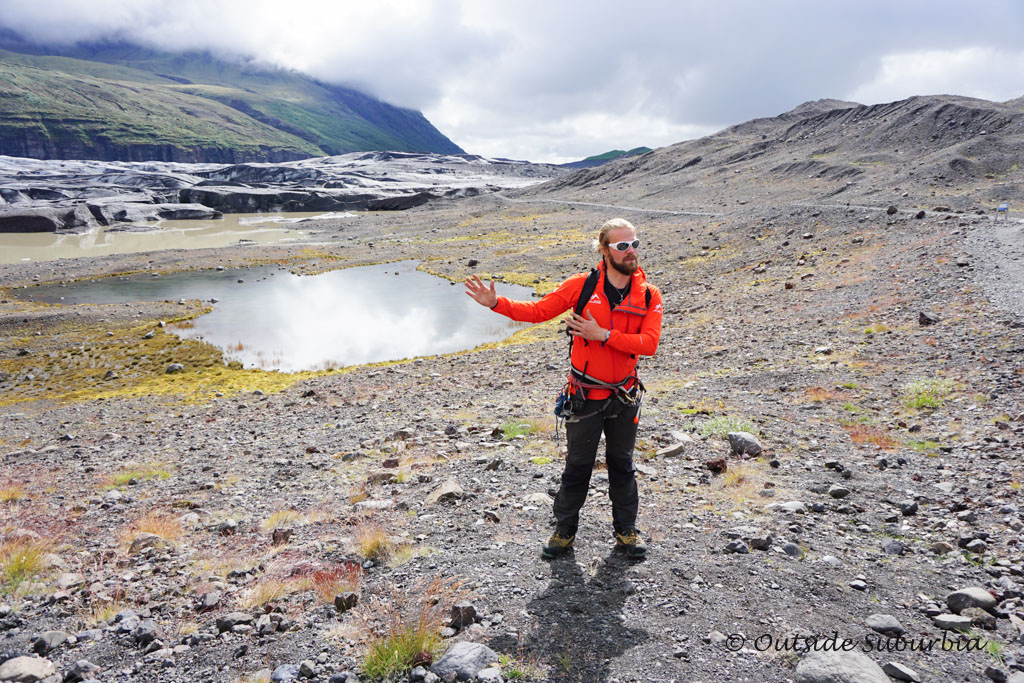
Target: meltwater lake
266	317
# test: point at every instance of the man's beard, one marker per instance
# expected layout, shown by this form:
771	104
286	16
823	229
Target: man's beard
625	268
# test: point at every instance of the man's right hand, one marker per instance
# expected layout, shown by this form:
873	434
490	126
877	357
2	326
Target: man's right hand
480	292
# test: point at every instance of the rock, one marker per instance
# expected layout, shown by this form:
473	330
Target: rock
858	585
793	550
952	622
82	670
346	601
908	508
716	465
891	211
744	443
466	660
49	640
925	318
994	674
793	506
264	627
285	672
26	669
837	491
980	617
145	540
227	528
919	215
977	546
449	490
671	451
145	633
886	624
738	547
280	536
893	547
941	548
761	540
307	668
462	615
839	667
174	368
899	672
489	675
974	596
228	621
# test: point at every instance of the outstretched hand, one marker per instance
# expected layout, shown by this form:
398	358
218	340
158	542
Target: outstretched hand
585	327
480	292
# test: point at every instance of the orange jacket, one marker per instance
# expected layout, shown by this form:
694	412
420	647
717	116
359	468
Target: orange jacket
635	326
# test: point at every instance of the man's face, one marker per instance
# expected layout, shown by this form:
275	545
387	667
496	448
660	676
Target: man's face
626	262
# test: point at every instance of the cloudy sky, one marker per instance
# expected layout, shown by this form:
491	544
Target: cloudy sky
558	80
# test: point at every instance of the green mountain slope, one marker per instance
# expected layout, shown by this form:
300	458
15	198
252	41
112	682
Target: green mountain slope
601	159
128	103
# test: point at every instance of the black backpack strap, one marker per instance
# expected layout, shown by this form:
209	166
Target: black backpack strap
589	285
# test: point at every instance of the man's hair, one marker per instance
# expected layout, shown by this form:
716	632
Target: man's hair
613	224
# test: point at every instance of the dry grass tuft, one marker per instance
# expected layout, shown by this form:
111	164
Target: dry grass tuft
819	394
101	612
268	590
282	518
167	527
742	483
863	434
332	581
12	493
374	542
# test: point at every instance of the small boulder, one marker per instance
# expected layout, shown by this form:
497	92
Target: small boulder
974	596
26	669
449	490
465	660
839	667
744	443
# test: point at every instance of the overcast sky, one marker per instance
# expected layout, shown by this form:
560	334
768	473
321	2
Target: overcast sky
558	80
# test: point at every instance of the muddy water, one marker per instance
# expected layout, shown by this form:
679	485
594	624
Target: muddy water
258	228
268	318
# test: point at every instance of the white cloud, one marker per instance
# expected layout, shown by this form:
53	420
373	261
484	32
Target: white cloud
560	80
983	72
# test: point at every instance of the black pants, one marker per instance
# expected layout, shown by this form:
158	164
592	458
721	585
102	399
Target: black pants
583	436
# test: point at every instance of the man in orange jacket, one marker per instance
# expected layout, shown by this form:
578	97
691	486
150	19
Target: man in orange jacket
620	321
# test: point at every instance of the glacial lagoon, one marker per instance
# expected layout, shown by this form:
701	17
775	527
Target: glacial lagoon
266	317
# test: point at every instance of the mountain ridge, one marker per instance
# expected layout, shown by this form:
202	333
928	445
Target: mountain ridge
121	102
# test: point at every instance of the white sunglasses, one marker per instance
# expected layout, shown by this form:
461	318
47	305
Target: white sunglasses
623	246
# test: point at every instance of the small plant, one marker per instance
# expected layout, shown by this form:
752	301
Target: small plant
101	612
865	434
513	428
358	494
332	581
819	394
266	591
404	625
540	460
850	385
923	446
137	474
926	393
12	493
719	427
877	328
282	518
22	560
374	542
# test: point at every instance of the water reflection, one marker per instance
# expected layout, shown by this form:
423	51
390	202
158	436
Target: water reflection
276	320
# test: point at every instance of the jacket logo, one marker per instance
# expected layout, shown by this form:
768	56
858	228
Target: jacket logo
657	309
594	299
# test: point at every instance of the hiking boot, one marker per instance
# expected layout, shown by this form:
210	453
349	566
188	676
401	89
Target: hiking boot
630	543
559	543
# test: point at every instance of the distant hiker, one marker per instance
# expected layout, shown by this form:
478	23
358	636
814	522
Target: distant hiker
616	317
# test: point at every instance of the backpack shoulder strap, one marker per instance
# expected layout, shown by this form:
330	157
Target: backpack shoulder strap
589	285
